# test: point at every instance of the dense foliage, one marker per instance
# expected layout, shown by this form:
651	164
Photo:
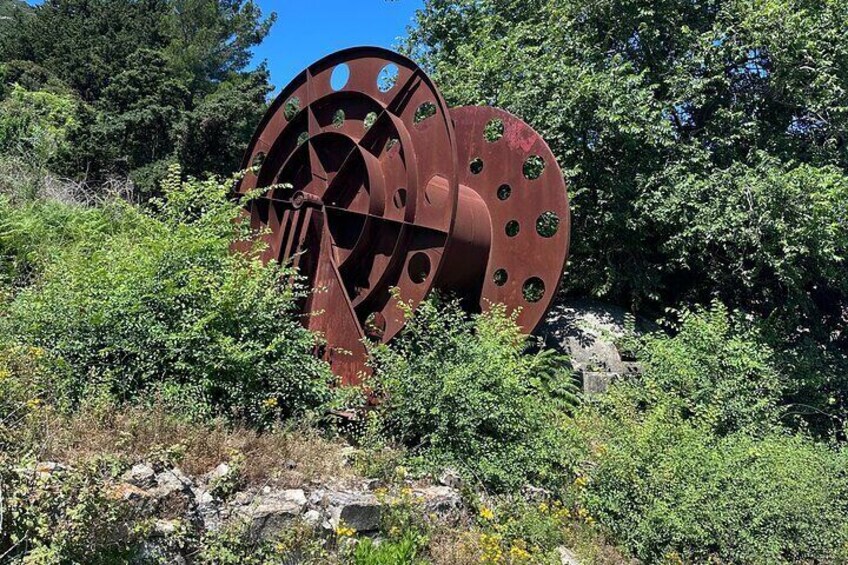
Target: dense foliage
144	83
706	145
136	303
691	461
464	393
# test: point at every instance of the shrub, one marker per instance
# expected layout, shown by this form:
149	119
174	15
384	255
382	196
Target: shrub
463	392
161	307
402	551
668	489
717	368
36	124
62	516
689	463
25	394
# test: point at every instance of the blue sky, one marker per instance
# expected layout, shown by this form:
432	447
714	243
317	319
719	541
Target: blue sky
306	30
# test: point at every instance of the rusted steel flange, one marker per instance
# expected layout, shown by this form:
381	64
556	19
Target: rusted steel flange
390	188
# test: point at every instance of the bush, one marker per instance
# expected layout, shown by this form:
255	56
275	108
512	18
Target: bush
717	369
689	463
25	394
403	551
62	516
668	489
462	392
36	124
155	304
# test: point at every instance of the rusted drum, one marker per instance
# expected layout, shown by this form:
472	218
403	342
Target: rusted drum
373	184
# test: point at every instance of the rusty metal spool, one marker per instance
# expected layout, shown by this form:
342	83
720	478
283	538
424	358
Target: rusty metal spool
386	187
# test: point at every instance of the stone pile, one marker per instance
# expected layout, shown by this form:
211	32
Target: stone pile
172	497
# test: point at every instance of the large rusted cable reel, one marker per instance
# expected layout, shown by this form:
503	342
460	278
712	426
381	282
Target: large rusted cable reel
382	186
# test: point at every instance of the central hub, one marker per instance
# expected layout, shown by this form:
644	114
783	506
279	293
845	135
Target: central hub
301	199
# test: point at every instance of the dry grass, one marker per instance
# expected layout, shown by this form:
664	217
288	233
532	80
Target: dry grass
134	434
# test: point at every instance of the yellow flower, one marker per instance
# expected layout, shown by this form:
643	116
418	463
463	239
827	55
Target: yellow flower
270	403
581	482
344	531
486	513
518	553
543	508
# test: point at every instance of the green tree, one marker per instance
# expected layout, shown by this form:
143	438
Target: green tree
705	143
151	74
642	99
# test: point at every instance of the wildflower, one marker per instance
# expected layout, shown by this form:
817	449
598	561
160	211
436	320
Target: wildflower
345	532
543	508
270	403
581	482
486	513
491	546
518	552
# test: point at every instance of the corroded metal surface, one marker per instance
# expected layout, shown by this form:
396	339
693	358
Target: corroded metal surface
375	184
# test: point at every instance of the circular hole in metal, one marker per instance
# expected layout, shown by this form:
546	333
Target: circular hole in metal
424	111
476	166
399	199
258	160
500	277
504	191
419	267
494	130
391	143
534	289
338	118
375	325
292	107
548	224
387	79
512	228
340	76
370	118
302	138
534	166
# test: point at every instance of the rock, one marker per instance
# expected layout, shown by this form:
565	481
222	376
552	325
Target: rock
141	476
209	510
172	480
218	473
165	528
359	511
535	494
589	332
567	557
290	464
173	493
269	513
440	500
450	478
313	518
153	551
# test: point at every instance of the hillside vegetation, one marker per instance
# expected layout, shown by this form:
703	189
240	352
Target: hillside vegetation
706	147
